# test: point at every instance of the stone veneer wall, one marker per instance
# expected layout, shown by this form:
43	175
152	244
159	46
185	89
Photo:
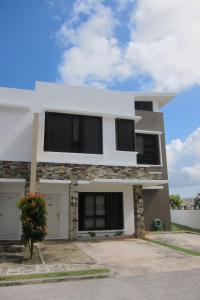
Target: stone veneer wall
16	169
89	172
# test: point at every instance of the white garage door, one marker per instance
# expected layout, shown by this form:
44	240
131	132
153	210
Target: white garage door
53	216
9	217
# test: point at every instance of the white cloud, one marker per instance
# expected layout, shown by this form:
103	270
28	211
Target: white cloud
184	161
85	7
193	172
123	4
95	55
163	43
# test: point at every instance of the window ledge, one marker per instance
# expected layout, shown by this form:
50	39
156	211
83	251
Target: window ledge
99	231
71	153
148	166
125	152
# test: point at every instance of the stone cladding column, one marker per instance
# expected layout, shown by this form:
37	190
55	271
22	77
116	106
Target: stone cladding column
73	210
139	211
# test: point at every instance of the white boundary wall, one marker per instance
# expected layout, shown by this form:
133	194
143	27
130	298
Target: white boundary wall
189	218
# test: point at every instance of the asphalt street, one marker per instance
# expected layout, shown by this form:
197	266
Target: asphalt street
178	285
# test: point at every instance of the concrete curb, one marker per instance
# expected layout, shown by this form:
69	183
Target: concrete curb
40	254
56	279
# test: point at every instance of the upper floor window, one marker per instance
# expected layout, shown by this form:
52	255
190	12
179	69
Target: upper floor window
73	133
125	135
147	146
144	105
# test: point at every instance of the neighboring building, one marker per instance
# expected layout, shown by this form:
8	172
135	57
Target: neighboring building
188	203
98	156
197	201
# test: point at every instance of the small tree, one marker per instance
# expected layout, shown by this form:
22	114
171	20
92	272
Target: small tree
33	218
175	201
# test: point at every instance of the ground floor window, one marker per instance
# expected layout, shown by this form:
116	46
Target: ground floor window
100	211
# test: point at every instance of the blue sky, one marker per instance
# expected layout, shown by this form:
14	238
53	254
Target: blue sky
118	44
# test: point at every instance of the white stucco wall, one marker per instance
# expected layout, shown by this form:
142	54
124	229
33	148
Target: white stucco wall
70	99
16	120
110	155
129	222
189	218
16	117
15	188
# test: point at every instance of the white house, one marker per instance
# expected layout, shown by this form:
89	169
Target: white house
98	156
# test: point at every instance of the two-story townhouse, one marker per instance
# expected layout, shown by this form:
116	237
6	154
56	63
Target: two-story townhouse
98	156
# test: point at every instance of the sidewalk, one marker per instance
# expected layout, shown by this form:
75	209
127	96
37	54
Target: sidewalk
51	257
45	268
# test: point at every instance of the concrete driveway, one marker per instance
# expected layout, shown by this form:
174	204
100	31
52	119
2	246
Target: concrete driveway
185	240
134	257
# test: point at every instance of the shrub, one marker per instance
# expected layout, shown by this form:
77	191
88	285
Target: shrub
175	201
33	218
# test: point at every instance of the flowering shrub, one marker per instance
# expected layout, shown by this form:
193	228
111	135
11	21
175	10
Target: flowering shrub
33	218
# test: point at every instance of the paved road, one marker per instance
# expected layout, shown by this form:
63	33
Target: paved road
163	286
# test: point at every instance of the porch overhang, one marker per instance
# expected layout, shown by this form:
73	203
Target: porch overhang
142	182
155	187
54	181
12	180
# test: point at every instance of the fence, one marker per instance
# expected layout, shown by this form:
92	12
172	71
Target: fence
189	218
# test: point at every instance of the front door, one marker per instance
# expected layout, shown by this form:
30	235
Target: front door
9	217
53	216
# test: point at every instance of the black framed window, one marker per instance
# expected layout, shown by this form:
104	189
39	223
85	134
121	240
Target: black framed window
73	133
125	134
100	211
144	105
147	146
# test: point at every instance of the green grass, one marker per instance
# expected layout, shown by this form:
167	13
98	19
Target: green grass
177	227
177	248
54	275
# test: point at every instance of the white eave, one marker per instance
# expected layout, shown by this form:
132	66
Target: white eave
162	98
60	181
12	180
155	187
15	105
143	182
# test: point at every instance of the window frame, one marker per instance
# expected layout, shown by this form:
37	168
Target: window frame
77	146
142	105
106	195
157	135
117	138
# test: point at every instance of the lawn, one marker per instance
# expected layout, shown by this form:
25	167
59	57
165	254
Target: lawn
174	247
54	275
177	227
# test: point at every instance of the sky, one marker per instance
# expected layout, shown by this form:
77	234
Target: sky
127	45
